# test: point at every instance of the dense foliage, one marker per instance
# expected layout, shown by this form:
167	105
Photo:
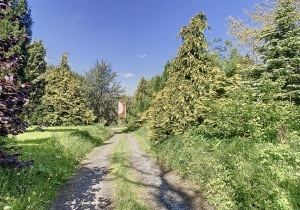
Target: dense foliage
234	113
193	80
63	102
102	91
137	108
13	95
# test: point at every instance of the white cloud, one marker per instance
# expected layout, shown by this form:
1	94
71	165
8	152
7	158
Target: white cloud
142	56
128	75
47	60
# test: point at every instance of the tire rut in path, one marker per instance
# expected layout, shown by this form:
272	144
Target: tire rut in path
160	194
90	188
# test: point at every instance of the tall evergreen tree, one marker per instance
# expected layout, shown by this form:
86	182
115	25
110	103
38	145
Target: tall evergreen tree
140	95
36	64
102	91
22	26
63	102
280	49
193	78
35	75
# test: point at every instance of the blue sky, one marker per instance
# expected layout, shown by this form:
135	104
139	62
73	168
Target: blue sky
136	36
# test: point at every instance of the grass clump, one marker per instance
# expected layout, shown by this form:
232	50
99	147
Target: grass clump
56	153
236	173
126	195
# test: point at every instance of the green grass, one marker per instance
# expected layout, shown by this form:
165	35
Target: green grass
236	173
125	181
56	153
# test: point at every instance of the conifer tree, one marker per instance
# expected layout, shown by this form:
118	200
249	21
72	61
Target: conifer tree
63	102
140	95
280	50
22	26
35	75
139	104
193	79
36	64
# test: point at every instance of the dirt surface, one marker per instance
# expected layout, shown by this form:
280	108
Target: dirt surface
164	189
91	188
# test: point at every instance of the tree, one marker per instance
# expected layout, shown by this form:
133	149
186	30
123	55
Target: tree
260	17
13	95
34	73
63	102
36	64
281	47
193	78
102	91
139	104
22	26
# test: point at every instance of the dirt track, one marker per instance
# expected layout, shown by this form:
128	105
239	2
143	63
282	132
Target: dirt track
91	188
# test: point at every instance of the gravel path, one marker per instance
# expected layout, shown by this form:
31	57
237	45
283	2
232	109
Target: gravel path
90	188
160	194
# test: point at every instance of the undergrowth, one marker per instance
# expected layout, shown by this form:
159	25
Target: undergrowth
56	153
236	173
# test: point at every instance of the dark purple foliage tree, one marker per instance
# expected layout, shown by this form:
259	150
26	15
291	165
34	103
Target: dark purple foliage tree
13	95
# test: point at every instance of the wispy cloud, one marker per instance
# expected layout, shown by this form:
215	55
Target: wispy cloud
129	75
142	56
47	60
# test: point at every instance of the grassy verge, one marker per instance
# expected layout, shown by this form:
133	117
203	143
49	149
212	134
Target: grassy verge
56	153
125	184
236	173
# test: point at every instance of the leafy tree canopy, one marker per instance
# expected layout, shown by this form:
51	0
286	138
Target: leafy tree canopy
102	91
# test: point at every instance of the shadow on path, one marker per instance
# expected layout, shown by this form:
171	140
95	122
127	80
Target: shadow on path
164	191
81	191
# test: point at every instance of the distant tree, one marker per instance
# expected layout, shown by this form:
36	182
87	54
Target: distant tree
63	102
138	105
102	91
140	96
36	64
34	73
13	95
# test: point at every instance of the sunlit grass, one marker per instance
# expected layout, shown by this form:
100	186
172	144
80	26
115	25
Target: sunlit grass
56	153
235	174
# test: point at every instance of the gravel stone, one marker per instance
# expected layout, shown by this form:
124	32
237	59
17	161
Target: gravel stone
160	194
90	188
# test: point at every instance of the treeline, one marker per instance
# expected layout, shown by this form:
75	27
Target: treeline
228	117
223	90
62	97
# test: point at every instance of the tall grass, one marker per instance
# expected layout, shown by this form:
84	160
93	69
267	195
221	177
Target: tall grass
56	153
236	174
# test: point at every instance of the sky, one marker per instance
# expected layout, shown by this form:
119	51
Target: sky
137	37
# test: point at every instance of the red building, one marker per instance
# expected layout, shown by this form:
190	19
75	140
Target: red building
121	110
